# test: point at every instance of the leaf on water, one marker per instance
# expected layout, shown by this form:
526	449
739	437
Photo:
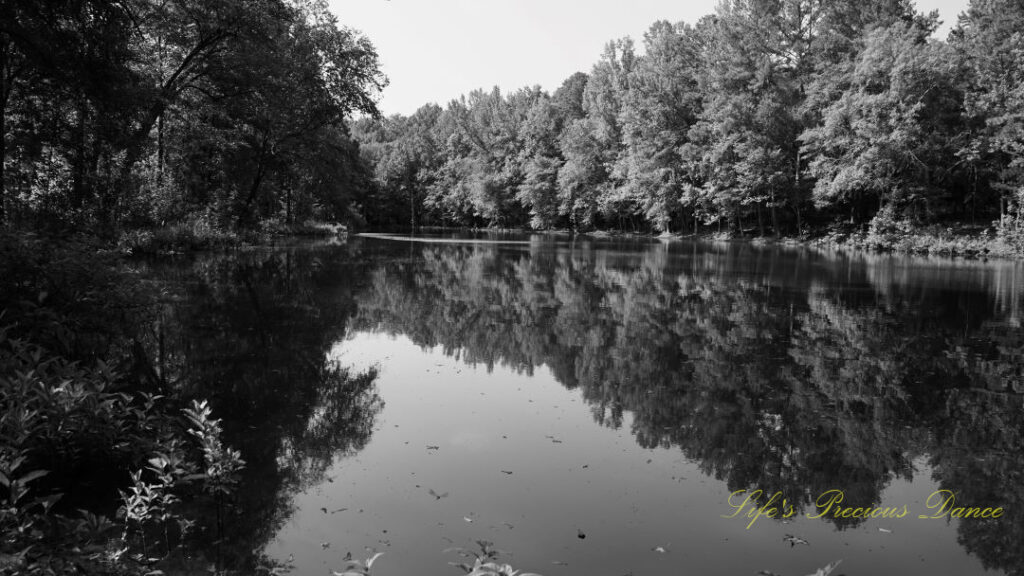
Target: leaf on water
794	540
886	530
372	559
827	569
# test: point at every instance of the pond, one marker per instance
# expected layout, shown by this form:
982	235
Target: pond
607	406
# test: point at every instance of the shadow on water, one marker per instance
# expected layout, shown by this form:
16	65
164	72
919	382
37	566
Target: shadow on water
251	331
781	369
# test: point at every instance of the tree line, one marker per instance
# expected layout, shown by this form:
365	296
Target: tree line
143	112
768	115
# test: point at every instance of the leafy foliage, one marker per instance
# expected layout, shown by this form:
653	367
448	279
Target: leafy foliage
142	113
783	114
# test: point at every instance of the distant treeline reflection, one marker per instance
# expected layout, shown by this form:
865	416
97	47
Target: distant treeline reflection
795	372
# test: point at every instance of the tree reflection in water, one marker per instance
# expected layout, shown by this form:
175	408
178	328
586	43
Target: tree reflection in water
789	371
252	331
784	370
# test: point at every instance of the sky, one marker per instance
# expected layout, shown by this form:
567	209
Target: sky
436	50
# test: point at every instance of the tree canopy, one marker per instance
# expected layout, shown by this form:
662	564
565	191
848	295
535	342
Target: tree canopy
138	113
765	116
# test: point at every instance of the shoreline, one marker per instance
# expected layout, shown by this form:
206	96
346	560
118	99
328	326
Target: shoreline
959	241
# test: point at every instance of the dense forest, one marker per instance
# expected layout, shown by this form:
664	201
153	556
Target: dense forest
212	114
768	116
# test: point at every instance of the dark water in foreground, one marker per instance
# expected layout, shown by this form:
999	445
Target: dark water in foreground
589	406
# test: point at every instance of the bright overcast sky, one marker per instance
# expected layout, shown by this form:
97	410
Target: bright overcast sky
435	50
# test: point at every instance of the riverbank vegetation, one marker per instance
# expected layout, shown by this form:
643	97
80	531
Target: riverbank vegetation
97	455
149	127
764	118
219	116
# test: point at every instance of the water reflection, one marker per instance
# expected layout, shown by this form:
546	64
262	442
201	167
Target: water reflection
776	368
786	371
251	331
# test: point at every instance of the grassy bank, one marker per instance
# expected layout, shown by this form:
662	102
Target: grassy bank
1000	240
959	240
198	234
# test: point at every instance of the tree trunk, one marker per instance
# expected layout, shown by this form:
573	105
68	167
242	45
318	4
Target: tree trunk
412	209
4	91
78	185
775	216
133	153
288	206
253	192
160	151
3	137
3	153
8	73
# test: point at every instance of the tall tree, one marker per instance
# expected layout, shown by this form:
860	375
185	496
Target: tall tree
989	39
891	136
745	142
659	106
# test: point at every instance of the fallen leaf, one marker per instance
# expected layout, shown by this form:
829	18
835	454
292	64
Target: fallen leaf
827	569
794	540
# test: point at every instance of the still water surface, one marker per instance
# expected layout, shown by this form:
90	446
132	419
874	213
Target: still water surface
589	405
